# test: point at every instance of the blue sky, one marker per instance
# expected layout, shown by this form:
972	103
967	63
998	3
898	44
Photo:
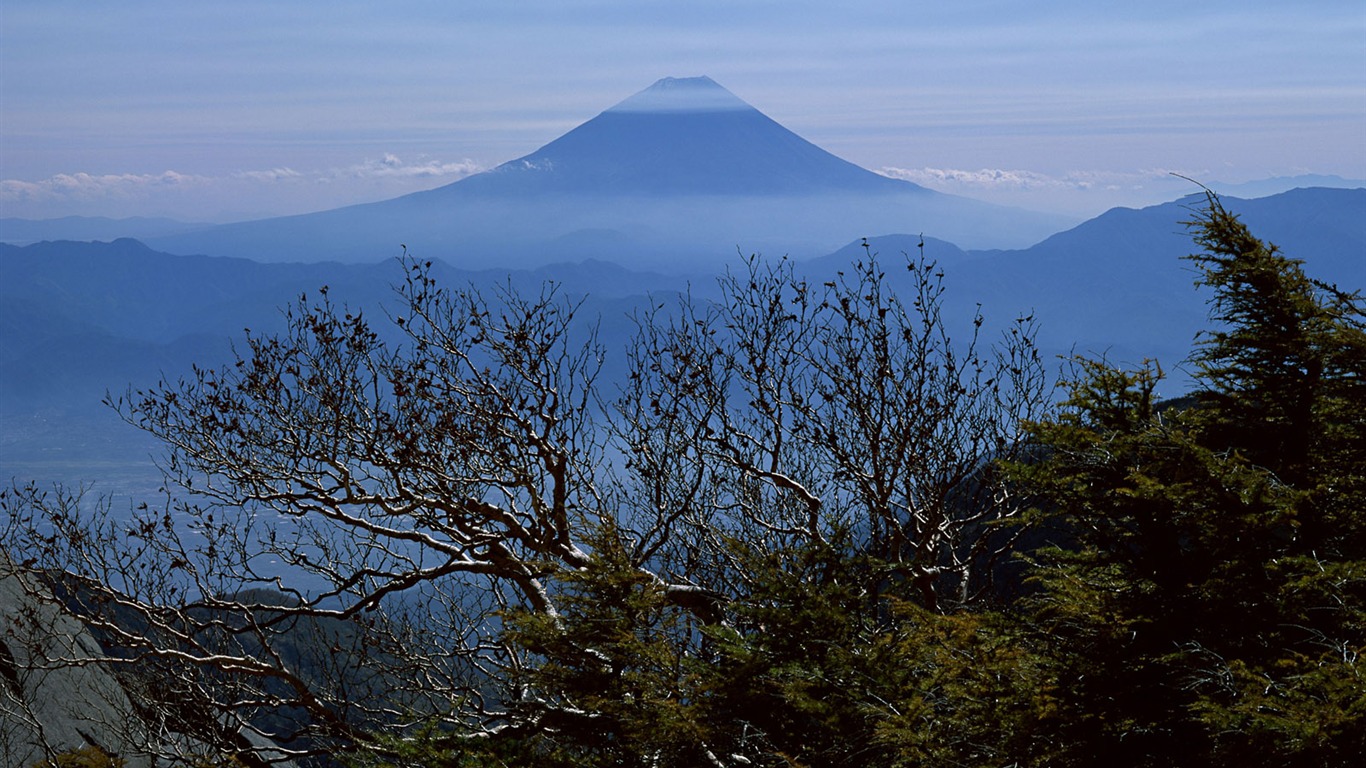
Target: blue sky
233	110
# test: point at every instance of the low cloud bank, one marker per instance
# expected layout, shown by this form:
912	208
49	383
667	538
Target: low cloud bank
1078	193
234	196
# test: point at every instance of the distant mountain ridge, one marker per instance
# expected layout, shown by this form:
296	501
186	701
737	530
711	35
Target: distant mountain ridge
1277	184
24	231
1115	282
79	320
1117	285
676	177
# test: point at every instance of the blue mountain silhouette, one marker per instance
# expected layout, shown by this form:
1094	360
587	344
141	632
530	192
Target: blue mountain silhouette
677	176
681	136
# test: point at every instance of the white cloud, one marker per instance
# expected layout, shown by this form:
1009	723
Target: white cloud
999	178
274	174
1076	193
86	186
993	177
390	166
272	191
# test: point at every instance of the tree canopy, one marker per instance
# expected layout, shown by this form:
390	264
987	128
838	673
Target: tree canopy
811	525
1206	606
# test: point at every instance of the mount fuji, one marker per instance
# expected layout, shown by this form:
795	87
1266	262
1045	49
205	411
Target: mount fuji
677	177
682	136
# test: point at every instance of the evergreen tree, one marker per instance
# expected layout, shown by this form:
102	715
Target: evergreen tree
1210	606
1285	375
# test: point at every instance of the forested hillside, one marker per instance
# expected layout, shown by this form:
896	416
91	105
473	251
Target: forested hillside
813	523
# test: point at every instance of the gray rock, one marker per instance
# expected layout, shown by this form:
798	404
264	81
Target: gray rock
56	695
53	698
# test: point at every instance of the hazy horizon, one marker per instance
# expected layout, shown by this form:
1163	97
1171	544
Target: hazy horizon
220	114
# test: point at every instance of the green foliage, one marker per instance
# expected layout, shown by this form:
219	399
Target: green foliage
810	669
1169	543
1286	376
962	690
617	684
1209	605
819	671
1283	374
796	669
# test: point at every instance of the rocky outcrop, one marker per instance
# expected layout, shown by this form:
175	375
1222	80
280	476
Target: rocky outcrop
53	698
56	696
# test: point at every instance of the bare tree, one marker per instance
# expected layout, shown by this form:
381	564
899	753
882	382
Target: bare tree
803	409
356	509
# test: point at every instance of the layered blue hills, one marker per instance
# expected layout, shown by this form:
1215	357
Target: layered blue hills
1118	285
77	319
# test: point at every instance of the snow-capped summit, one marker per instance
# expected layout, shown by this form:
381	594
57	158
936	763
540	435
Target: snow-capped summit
683	94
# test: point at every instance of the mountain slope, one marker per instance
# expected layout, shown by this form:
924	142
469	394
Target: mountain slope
1117	285
677	177
682	136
